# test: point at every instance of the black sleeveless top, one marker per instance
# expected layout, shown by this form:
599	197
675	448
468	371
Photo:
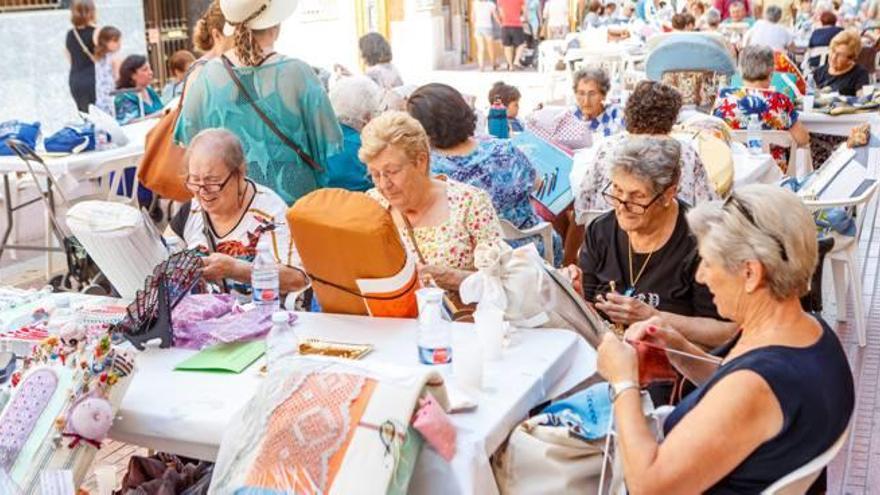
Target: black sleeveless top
814	387
82	68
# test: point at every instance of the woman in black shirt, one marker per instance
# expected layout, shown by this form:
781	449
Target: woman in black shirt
640	260
80	44
842	73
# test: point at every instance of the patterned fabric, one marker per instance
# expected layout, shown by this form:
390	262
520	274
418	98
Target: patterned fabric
265	215
472	220
693	187
104	84
774	110
783	64
697	88
499	168
304	432
609	122
128	106
22	414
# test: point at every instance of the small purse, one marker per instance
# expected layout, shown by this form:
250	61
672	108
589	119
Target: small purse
71	139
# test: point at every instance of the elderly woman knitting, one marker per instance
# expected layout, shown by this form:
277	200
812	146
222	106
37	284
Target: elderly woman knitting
640	260
782	391
441	222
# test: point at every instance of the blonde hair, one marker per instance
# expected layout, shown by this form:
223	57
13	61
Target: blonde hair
247	49
393	128
751	225
851	40
203	33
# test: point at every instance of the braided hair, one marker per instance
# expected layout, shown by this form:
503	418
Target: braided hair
249	52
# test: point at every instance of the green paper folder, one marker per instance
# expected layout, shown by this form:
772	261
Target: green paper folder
224	358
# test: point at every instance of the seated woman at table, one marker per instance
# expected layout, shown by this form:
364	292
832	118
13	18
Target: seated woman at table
355	99
640	260
651	110
782	394
493	165
230	213
141	100
441	221
775	111
822	36
841	73
591	115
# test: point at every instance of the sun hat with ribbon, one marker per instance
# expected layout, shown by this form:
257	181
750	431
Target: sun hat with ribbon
257	14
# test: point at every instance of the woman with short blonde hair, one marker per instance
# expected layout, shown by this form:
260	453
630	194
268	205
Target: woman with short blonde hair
775	397
441	220
842	73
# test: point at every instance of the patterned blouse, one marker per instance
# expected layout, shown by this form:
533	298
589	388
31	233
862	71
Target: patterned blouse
499	168
472	220
128	106
693	187
609	122
774	110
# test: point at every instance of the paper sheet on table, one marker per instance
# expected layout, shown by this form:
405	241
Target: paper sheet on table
224	358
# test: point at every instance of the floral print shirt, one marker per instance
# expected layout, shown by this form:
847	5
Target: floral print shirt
499	168
693	187
775	112
472	220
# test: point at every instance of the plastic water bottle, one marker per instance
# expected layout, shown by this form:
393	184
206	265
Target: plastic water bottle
62	316
810	97
498	124
282	341
264	277
435	336
754	135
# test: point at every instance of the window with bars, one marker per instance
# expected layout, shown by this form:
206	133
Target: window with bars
21	5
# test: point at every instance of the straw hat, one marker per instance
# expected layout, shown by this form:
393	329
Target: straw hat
272	12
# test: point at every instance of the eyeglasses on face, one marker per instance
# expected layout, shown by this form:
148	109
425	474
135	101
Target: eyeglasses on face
209	188
633	207
377	175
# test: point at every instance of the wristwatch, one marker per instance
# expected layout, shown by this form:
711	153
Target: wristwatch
620	387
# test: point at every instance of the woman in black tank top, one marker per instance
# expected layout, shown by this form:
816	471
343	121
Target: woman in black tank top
80	44
783	392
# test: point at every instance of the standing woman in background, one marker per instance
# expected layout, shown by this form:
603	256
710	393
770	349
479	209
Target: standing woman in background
80	45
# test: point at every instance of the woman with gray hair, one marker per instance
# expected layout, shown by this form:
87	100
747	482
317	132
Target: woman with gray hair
774	110
591	115
356	100
769	32
640	260
230	214
769	401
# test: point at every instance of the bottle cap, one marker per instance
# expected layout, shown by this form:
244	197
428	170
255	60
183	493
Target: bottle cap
280	317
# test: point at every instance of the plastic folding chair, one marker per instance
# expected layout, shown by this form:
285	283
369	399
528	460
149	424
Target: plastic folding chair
544	229
800	480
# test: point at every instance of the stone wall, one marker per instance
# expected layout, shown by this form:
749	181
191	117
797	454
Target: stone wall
34	68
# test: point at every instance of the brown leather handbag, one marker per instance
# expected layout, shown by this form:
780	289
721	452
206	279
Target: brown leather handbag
162	169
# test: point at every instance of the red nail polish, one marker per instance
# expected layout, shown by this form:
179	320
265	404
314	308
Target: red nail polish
652	329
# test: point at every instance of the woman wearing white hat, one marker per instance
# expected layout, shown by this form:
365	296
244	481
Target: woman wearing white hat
275	104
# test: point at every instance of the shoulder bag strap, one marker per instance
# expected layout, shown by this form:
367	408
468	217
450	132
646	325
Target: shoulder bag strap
403	224
266	120
84	47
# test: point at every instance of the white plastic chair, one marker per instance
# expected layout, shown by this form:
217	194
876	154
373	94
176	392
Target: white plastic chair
817	51
844	258
800	480
544	229
109	188
800	161
550	53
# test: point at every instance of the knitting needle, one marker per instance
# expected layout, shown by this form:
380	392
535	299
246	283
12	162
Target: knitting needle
716	361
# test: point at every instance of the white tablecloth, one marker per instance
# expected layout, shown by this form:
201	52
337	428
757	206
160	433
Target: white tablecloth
187	412
838	125
753	169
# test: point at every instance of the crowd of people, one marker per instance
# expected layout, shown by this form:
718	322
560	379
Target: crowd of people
649	241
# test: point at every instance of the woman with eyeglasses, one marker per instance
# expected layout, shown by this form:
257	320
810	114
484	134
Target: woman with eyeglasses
440	221
230	213
769	401
639	260
841	73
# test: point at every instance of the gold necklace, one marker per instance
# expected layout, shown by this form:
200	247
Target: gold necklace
634	281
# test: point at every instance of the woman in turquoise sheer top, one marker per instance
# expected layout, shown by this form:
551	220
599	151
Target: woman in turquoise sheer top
288	93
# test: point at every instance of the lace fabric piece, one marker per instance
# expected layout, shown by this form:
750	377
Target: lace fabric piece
304	432
231	327
23	412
